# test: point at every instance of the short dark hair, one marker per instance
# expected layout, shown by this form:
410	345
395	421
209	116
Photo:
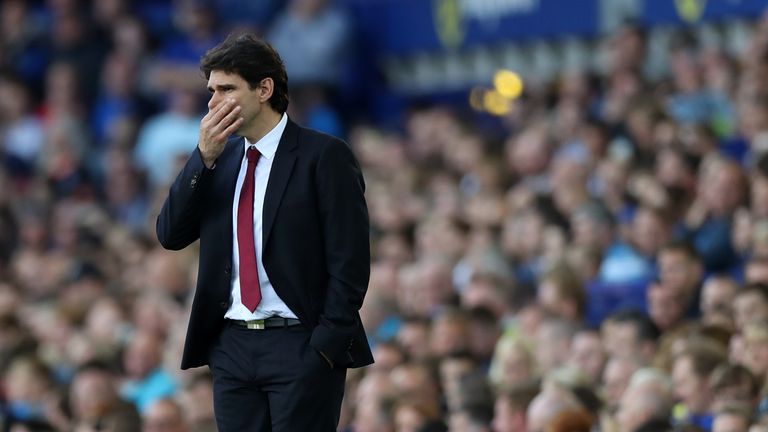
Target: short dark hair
682	246
705	357
730	375
254	60
758	288
646	329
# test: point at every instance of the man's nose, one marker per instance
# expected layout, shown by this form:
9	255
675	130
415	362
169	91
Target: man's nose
213	101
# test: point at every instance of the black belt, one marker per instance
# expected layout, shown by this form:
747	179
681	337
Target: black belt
267	323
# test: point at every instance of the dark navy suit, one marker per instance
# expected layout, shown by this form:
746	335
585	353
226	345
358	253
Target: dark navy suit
315	251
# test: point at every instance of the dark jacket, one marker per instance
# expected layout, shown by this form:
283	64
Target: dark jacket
316	249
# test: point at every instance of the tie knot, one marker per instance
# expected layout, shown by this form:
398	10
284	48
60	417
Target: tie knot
252	154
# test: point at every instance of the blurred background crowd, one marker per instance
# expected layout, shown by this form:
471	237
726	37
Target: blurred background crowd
588	254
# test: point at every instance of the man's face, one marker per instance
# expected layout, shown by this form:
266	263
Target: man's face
648	232
678	272
665	306
691	389
716	300
616	377
749	307
587	354
225	86
756	353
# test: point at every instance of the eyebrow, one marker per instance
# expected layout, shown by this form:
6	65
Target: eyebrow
221	87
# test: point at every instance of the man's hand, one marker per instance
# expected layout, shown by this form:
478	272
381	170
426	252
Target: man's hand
220	122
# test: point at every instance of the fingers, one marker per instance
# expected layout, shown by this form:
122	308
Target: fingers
232	128
221	110
225	124
222	120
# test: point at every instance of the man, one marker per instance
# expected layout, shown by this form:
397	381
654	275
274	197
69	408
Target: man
164	415
511	406
616	376
95	403
587	354
716	302
681	270
647	400
691	373
284	250
547	405
630	333
146	381
734	384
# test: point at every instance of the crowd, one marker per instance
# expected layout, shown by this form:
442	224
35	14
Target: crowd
602	266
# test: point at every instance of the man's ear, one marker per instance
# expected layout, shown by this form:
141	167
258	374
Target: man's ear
266	88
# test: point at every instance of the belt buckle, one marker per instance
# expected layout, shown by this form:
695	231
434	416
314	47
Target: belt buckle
255	324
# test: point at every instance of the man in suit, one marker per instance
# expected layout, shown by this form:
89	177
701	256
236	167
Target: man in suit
284	250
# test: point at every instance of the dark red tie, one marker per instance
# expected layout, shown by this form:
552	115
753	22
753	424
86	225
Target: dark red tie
250	291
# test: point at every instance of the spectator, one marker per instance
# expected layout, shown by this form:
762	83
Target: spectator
28	386
22	132
509	414
197	403
710	218
588	355
755	338
412	416
553	343
750	304
648	399
717	296
164	415
168	136
147	382
95	402
680	273
512	363
666	307
560	292
631	334
691	372
632	262
734	384
547	405
732	418
450	333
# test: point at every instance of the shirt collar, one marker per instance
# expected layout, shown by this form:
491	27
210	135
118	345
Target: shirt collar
267	145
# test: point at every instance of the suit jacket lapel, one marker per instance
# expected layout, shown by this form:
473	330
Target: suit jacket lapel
282	167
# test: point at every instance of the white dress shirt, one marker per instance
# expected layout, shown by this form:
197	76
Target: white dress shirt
271	304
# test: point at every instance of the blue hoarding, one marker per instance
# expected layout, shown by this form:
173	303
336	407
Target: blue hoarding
402	27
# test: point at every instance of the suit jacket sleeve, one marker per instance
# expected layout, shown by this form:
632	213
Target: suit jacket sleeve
345	225
178	224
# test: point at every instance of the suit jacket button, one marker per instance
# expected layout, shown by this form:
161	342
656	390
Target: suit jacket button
227	269
224	305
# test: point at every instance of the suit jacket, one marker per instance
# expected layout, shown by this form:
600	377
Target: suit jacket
316	249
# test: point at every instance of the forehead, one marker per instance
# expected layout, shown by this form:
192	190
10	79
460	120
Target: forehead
219	77
587	339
